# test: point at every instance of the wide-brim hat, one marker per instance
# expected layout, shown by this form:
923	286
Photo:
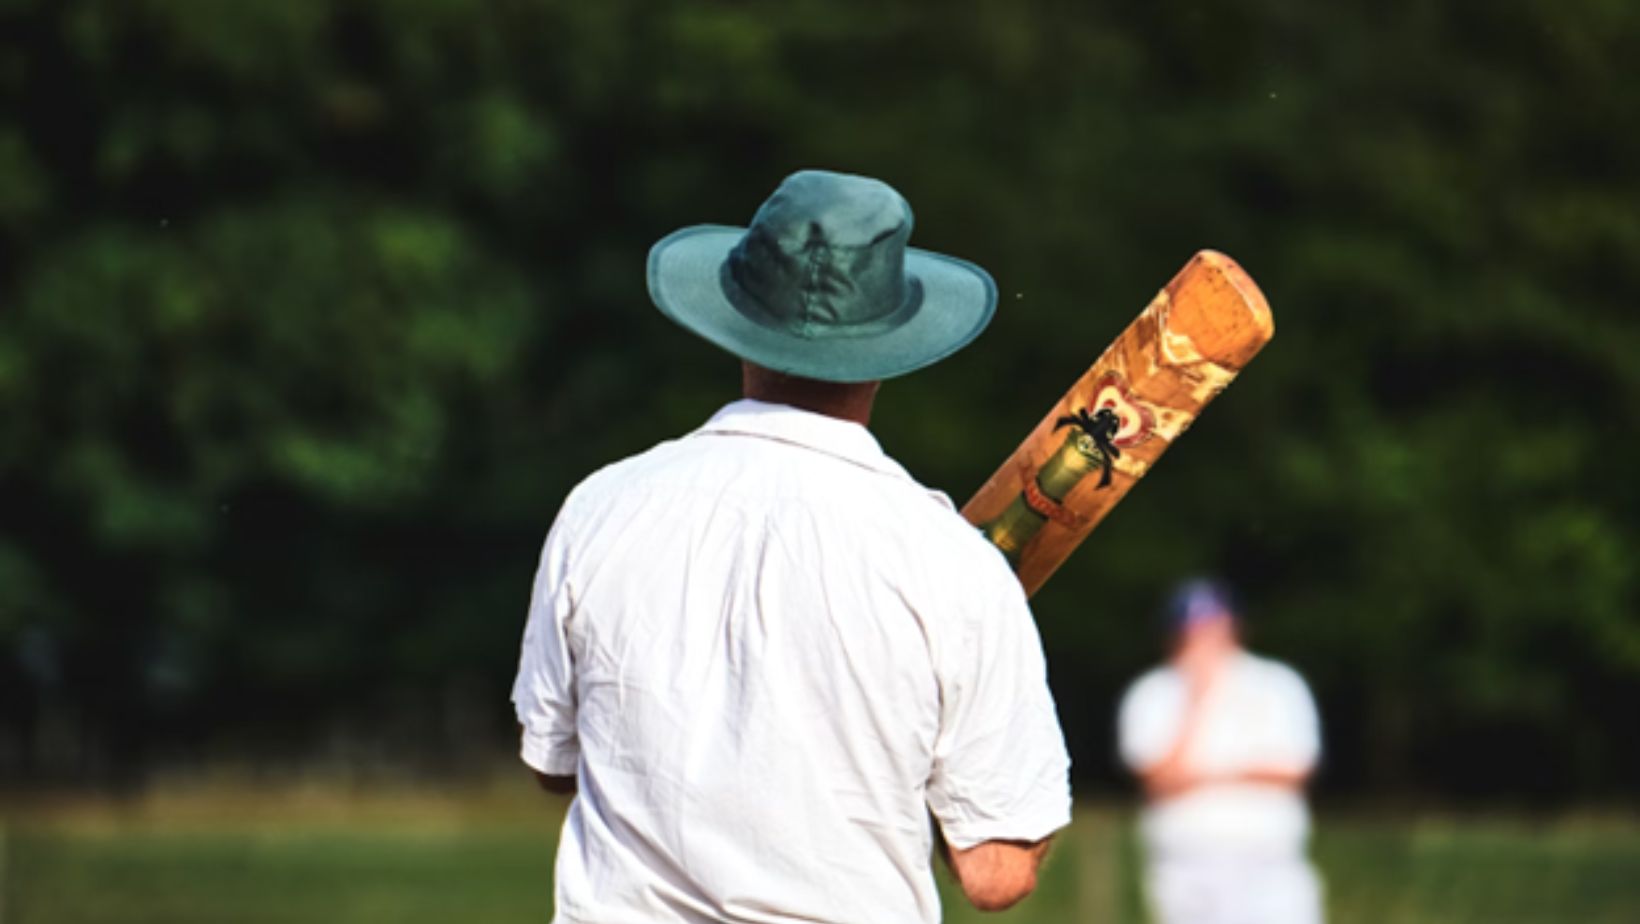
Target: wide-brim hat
822	284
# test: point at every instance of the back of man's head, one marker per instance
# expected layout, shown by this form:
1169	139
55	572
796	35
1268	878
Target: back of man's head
844	400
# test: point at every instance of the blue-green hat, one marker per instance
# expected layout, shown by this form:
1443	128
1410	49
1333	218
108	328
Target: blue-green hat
822	285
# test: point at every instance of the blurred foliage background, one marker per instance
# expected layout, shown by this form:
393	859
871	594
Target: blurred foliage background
311	313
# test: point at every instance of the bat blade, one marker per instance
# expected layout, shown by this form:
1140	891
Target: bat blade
1106	432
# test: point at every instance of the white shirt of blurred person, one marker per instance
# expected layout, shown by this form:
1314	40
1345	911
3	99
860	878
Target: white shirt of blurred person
761	654
1224	743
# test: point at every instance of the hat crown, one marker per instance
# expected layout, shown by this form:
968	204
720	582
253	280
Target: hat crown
825	257
823	285
1198	600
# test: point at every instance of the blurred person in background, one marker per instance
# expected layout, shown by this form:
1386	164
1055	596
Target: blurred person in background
761	654
1223	742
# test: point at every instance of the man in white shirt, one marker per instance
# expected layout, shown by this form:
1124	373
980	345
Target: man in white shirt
761	655
1223	742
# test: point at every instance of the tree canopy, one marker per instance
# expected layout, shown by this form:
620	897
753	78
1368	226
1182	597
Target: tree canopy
311	313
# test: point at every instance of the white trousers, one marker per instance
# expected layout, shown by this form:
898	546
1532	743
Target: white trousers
1231	889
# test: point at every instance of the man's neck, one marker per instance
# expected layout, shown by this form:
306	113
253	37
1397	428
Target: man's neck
850	401
1204	661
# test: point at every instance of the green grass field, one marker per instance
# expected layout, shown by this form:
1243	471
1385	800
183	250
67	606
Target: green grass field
230	854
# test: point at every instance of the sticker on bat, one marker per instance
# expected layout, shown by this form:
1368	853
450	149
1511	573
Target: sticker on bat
1135	420
1115	422
1096	435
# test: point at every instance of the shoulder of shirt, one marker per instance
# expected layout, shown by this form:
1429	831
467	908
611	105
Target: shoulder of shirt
610	474
945	515
1273	671
1149	682
888	475
932	512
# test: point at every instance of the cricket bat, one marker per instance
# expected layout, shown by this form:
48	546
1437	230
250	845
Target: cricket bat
1099	439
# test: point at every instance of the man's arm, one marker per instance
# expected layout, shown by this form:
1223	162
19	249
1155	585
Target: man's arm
557	785
1173	773
1170	778
1000	780
995	875
1286	764
544	691
1285	777
552	782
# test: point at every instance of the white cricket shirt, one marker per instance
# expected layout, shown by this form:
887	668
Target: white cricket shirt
767	653
1259	714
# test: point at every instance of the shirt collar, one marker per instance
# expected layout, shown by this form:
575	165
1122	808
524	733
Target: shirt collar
844	439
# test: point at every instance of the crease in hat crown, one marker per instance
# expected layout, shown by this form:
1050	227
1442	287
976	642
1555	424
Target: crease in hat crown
825	257
823	284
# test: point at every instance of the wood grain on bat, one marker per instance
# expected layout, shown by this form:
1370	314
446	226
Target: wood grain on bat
1121	415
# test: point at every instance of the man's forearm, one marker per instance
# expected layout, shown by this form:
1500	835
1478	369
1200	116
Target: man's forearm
1284	777
995	875
1171	779
553	783
557	785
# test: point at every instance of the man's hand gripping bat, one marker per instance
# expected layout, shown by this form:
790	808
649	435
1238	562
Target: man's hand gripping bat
1113	424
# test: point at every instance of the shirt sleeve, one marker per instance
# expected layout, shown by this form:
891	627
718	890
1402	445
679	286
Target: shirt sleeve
544	692
1147	722
1000	770
1298	741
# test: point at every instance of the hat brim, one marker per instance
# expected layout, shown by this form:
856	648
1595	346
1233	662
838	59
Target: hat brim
685	282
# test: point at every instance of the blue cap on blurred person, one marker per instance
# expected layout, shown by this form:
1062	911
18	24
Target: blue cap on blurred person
1197	600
